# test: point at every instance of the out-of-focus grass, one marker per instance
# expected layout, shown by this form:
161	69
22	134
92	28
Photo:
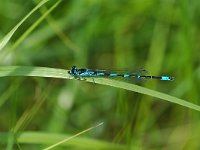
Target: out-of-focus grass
161	36
28	31
47	139
6	38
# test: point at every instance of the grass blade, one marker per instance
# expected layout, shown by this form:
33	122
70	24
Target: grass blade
69	138
30	29
5	40
30	137
62	73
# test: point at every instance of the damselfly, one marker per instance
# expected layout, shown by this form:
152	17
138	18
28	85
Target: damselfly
84	72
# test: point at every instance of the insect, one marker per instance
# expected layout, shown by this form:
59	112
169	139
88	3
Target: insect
84	72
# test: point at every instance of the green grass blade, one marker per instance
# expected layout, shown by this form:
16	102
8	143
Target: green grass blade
62	73
71	137
33	71
30	29
49	138
5	40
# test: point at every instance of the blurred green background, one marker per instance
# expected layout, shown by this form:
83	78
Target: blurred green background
161	36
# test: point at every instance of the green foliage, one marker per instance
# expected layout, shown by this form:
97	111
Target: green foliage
161	36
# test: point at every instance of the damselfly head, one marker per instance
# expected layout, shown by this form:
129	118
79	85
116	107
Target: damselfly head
73	71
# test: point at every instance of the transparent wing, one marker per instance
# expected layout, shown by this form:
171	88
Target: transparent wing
139	71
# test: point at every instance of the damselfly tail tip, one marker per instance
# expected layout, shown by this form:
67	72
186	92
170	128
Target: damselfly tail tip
167	78
172	78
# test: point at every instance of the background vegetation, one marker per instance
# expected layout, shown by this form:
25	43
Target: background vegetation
161	36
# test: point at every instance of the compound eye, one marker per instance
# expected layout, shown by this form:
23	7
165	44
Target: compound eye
74	68
73	71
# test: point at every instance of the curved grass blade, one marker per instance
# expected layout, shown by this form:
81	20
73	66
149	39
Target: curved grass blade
30	29
6	38
71	137
31	137
62	73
